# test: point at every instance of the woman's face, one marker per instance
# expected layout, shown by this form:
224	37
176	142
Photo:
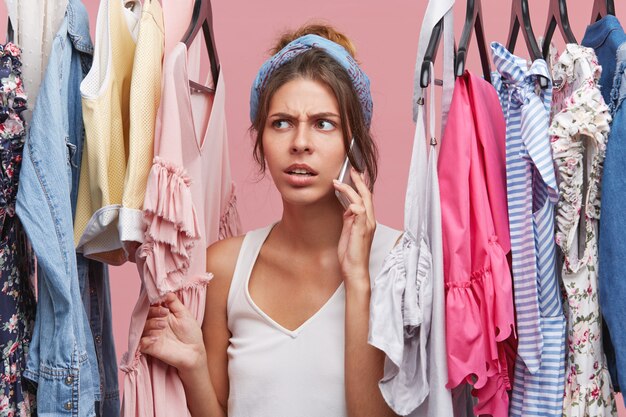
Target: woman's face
303	141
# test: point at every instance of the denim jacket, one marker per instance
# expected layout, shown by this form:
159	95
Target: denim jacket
605	37
608	39
71	366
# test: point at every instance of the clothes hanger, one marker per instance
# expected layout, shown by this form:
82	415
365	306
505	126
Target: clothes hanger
557	16
131	4
473	22
521	15
10	31
430	55
602	8
202	18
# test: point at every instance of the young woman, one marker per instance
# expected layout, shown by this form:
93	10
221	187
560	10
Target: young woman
286	320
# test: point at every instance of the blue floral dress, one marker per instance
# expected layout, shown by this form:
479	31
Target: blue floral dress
17	299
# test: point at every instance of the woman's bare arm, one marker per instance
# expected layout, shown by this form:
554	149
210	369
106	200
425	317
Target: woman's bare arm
363	363
221	260
199	354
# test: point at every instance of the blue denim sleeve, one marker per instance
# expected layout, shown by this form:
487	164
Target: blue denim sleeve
612	245
58	361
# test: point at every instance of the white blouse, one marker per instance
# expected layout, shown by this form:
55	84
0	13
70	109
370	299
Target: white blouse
35	23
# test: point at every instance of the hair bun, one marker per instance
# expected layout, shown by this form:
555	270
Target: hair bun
320	29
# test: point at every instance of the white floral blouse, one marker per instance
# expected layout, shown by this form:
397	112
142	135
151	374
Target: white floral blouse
579	132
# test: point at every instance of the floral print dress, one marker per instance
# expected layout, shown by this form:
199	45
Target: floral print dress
579	134
17	300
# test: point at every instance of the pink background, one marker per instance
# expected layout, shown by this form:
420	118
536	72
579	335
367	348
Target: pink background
386	36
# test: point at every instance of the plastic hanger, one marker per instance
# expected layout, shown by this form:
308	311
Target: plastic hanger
10	31
430	55
202	18
473	22
557	16
521	15
602	8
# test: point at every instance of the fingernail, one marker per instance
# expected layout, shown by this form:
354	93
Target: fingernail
164	311
336	182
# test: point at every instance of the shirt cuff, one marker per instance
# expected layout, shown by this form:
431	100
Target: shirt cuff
131	226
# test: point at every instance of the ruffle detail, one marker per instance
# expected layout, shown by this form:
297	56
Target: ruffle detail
493	398
400	319
580	130
589	398
230	224
585	115
479	320
147	378
564	70
171	229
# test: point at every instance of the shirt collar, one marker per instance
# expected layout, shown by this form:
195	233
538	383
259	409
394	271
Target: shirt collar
78	26
596	33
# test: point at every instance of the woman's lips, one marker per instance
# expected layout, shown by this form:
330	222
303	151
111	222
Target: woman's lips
299	180
300	175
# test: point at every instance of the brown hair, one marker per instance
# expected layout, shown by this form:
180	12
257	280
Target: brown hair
317	65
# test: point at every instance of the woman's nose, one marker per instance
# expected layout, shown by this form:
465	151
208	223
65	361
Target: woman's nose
301	142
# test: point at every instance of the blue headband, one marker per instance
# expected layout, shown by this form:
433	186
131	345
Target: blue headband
305	43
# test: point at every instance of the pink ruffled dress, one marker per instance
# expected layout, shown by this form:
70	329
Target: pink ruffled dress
189	204
479	299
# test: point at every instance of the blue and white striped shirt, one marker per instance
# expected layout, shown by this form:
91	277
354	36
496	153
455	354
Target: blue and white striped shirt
532	194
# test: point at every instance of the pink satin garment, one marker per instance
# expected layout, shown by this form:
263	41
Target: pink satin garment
479	300
190	203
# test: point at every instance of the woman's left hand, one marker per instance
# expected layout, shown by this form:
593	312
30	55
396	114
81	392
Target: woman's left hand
357	233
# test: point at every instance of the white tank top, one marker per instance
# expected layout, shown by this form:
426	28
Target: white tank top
276	372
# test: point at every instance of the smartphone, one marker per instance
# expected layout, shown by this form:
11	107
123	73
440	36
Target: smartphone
344	174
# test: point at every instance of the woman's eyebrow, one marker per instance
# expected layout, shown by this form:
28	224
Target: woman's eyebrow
281	115
322	115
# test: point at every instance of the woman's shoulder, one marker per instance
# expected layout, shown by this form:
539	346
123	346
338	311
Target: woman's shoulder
221	259
222	255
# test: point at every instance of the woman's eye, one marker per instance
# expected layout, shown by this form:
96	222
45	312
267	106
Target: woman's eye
280	124
325	125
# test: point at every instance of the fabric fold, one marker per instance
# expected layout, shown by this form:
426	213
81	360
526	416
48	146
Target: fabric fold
145	376
532	194
172	229
230	224
403	296
188	205
407	304
579	133
479	309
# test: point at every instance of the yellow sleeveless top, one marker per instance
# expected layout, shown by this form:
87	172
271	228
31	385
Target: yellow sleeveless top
120	97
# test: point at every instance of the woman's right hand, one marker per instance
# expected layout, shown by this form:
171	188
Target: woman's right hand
173	335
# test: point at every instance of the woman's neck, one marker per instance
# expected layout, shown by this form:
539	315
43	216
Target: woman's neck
311	227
